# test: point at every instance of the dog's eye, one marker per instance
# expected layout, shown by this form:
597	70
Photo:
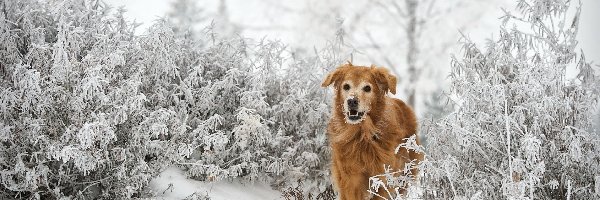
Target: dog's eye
346	87
367	88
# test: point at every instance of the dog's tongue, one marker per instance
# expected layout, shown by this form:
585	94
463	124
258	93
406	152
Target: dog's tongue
353	112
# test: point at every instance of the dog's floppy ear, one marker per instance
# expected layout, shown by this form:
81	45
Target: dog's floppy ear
385	80
334	76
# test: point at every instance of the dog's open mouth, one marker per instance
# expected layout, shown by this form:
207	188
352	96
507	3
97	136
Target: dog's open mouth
354	115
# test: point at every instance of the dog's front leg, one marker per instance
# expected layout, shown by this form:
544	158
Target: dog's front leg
335	177
353	186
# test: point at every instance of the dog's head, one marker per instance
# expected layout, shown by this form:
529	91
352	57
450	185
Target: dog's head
359	88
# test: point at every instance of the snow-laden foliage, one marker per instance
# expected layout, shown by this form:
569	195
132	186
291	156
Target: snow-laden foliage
253	117
521	129
91	110
397	183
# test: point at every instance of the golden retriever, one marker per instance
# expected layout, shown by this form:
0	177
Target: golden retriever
365	128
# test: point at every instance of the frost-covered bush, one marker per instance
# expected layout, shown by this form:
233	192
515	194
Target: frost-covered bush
91	110
401	183
520	129
254	117
79	110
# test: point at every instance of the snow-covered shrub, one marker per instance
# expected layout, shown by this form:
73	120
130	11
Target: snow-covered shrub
91	110
520	129
398	184
80	113
258	113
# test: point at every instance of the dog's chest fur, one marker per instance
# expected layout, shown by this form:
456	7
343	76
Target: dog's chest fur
363	147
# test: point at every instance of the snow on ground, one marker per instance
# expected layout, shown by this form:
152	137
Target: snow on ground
183	187
221	190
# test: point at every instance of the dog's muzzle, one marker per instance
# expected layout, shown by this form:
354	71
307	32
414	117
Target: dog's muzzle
353	113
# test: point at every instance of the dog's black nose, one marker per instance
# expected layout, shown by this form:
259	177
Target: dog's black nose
353	103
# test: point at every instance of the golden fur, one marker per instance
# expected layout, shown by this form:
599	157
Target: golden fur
362	149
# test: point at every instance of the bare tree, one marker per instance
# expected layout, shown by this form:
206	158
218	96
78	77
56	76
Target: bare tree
387	33
416	21
185	15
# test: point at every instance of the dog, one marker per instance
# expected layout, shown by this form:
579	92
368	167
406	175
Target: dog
365	127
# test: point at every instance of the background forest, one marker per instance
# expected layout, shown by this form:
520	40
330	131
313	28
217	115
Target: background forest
95	105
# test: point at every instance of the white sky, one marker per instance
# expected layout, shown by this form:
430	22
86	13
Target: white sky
589	31
252	12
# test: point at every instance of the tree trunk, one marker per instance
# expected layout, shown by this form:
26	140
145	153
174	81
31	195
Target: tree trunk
413	50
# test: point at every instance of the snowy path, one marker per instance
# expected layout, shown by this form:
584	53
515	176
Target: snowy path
222	190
